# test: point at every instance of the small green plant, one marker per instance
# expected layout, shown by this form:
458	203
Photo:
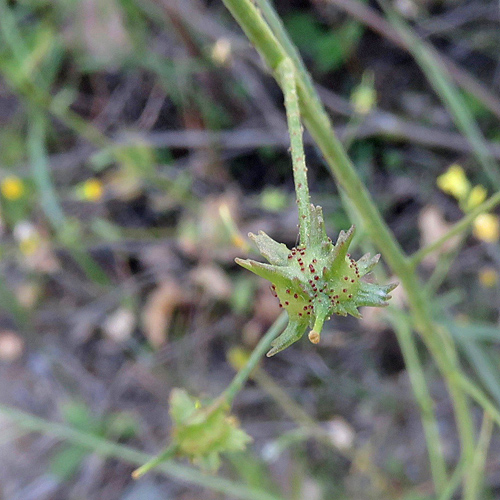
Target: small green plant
200	433
313	281
316	279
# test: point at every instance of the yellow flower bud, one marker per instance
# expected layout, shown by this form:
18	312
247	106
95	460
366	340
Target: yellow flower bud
487	227
454	182
476	197
92	190
12	188
363	99
488	277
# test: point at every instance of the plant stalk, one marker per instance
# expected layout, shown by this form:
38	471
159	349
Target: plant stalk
286	76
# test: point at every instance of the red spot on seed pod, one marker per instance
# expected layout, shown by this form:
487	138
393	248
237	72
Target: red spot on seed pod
287	290
352	281
350	296
316	278
311	268
305	308
300	314
314	261
296	296
287	303
346	278
281	305
345	290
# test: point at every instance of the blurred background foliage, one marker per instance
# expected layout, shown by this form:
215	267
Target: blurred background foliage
140	140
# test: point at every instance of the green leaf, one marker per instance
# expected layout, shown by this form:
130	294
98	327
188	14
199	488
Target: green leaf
201	433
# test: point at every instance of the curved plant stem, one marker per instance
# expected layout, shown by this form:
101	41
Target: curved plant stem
107	448
458	228
317	121
262	347
286	76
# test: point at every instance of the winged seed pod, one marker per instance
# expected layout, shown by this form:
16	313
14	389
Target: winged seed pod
315	280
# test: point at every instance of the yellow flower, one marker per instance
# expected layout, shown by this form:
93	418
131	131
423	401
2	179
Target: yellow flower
29	246
476	197
92	190
12	188
454	182
488	277
487	227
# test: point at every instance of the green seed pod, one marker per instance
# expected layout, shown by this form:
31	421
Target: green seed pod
315	280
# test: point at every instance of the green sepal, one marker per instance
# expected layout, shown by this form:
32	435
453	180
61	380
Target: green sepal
371	294
293	332
269	272
274	252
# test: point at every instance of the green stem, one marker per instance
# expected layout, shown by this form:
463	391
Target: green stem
107	448
424	400
480	397
262	347
286	76
453	483
473	485
439	78
457	228
41	173
343	170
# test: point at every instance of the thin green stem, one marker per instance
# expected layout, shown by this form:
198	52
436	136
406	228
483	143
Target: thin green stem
107	448
262	347
458	228
440	79
453	483
286	76
480	397
442	268
473	486
41	172
281	35
424	400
